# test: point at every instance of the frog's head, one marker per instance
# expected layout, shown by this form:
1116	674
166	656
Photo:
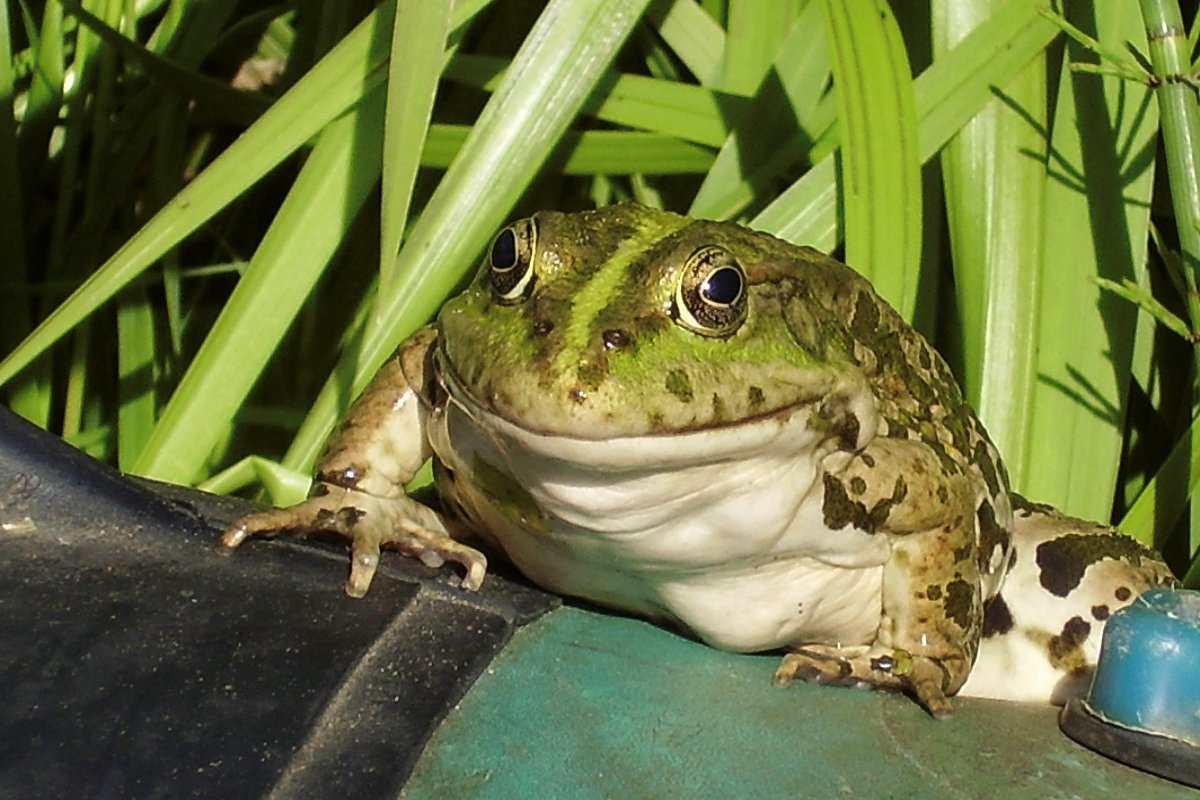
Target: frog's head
628	321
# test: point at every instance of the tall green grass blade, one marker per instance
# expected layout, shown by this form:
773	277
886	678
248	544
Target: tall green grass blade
417	56
1170	57
693	36
1097	212
683	110
559	64
29	398
339	81
1163	500
951	91
339	173
881	179
994	173
590	152
45	91
778	128
755	30
136	374
216	97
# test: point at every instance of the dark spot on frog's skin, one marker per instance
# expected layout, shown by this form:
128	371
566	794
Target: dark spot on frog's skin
319	489
991	534
1064	649
839	510
679	384
1122	593
865	321
846	432
868	459
1027	508
983	459
1063	561
347	478
997	618
965	552
342	520
542	327
755	398
718	407
960	602
923	358
943	494
933	592
616	339
858	485
1100	612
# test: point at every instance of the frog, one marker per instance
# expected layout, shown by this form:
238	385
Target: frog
706	426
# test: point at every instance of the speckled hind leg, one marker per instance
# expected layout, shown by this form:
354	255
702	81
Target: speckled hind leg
931	610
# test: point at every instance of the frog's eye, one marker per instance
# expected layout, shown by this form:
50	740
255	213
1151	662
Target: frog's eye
510	262
711	296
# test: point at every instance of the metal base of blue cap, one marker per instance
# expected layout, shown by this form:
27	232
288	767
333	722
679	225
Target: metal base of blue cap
1161	755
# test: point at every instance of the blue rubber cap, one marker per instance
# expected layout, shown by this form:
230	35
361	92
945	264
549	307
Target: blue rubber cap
1143	708
1148	676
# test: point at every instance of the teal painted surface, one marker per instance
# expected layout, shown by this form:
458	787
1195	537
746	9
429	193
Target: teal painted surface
586	705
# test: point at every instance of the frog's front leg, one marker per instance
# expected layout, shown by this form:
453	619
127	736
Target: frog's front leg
359	489
931	608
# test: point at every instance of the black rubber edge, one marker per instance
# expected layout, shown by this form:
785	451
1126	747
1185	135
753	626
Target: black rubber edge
137	662
1164	756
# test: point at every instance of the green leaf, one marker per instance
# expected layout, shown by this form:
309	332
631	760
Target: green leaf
291	258
994	174
780	126
339	81
415	66
1096	218
694	36
951	91
881	179
1165	497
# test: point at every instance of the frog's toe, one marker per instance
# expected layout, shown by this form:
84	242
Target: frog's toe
929	694
434	549
258	523
364	559
814	665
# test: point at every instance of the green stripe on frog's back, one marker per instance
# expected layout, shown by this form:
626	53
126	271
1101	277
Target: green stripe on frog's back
603	289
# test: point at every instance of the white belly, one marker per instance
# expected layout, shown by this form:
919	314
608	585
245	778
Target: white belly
720	531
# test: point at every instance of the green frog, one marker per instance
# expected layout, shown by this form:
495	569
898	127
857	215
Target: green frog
706	426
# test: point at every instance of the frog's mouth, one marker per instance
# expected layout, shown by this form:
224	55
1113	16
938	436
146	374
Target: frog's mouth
843	420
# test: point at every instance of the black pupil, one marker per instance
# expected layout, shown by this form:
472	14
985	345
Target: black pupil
504	251
723	286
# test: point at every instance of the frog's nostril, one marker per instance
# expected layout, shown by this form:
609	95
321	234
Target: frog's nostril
615	339
542	327
577	394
